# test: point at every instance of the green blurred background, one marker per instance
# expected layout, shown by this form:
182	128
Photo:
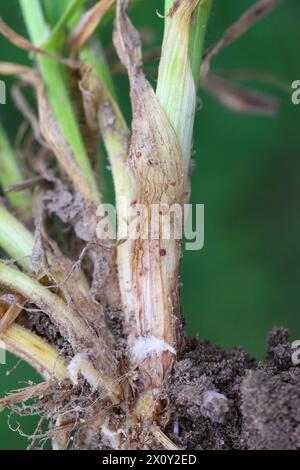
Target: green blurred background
247	173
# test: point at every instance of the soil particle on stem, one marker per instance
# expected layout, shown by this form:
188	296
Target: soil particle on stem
225	400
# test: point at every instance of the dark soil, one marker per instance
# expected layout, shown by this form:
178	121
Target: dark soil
225	400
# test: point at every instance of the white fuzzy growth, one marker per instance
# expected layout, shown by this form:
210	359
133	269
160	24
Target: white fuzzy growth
74	368
113	437
146	345
80	365
296	353
296	358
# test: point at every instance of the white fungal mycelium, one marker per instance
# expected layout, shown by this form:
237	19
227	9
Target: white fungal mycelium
146	345
81	365
296	354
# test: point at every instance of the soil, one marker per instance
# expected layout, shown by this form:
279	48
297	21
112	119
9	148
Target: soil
226	400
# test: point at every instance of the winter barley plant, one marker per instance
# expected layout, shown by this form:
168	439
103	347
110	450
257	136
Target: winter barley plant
99	316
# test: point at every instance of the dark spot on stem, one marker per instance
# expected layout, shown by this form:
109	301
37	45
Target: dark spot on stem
174	8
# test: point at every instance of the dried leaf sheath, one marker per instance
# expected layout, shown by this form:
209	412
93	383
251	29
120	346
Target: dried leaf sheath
88	24
148	268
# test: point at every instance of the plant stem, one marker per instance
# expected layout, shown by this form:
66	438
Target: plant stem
34	350
10	173
180	66
53	75
15	239
65	14
158	166
54	10
148	260
197	36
